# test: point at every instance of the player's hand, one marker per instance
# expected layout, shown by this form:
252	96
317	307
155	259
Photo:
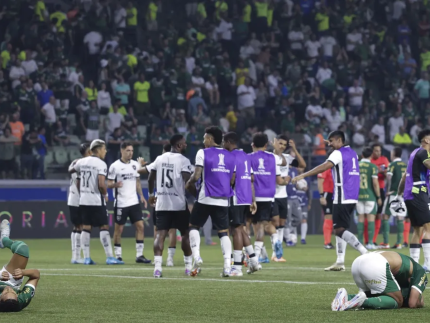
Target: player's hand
5	276
379	202
142	200
141	161
389	193
287	179
323	201
253	207
119	184
296	179
17	274
152	200
292	144
106	198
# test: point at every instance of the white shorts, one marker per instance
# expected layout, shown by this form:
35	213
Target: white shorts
367	207
12	281
92	135
372	272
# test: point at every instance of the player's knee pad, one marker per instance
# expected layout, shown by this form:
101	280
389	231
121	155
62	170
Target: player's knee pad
20	248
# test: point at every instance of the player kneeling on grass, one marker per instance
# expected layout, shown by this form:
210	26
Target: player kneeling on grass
13	299
386	280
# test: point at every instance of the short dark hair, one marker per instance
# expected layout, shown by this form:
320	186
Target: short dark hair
231	137
423	133
260	140
376	145
397	152
83	148
167	147
337	134
282	137
10	305
176	139
125	144
367	152
216	133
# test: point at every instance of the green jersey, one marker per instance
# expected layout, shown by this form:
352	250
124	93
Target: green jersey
396	170
418	280
368	172
25	295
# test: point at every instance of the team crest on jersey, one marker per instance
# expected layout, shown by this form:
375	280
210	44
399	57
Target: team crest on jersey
134	167
221	160
261	164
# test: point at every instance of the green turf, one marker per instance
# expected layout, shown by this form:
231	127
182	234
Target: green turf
296	291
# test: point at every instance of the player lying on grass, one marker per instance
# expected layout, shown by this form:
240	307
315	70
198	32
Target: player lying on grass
386	280
12	298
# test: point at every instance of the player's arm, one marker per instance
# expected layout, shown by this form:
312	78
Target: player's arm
32	274
415	298
300	161
253	207
102	184
139	192
190	186
315	171
388	182
401	188
113	184
78	184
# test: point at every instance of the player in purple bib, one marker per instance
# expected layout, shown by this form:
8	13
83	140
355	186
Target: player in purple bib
346	177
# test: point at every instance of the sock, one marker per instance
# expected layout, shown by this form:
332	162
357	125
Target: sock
85	243
195	243
72	239
237	258
106	243
382	302
226	248
340	250
426	251
400	229
250	251
118	250
352	240
303	230
414	250
77	245
258	245
377	227
385	231
280	232
360	229
18	247
264	251
7	243
274	240
171	253
157	262
327	229
406	231
188	261
139	248
370	228
366	235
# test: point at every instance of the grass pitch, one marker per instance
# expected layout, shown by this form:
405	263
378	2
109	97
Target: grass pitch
296	291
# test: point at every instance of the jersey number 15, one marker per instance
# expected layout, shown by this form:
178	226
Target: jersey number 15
166	178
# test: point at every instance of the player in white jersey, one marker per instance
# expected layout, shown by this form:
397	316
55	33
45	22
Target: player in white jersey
124	179
73	203
92	172
171	171
280	205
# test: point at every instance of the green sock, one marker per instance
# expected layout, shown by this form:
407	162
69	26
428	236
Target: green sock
400	228
360	228
18	247
351	296
385	230
371	230
382	302
7	243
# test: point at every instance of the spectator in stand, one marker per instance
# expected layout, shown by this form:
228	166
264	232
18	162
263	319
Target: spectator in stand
91	122
141	97
17	130
42	150
7	156
212	88
394	124
355	94
246	99
415	130
29	157
60	136
333	117
402	138
115	120
422	89
328	42
314	111
48	111
379	130
158	140
324	73
114	143
104	102
194	102
246	138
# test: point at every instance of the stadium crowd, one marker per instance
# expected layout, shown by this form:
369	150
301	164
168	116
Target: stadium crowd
144	70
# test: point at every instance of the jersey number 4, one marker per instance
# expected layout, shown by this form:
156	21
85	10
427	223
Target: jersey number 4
86	175
166	178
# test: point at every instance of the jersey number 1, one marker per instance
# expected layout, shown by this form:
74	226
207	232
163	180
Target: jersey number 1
166	178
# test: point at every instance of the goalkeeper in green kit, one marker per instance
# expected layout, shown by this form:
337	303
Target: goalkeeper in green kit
13	298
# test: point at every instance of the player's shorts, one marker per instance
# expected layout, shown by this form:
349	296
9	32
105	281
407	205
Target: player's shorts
218	214
372	273
380	208
133	212
294	212
154	217
264	212
342	215
280	207
237	214
328	208
304	212
94	215
366	207
418	209
14	283
167	220
75	215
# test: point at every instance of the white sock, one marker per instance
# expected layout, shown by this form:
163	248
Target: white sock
106	243
226	250
77	245
195	243
304	230
258	245
280	232
264	251
118	250
352	240
274	240
250	251
85	243
72	239
171	253
340	250
157	262
139	248
415	254
237	256
426	252
188	261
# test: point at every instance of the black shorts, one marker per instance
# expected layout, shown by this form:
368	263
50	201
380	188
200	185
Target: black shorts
133	212
342	214
381	208
418	209
328	208
94	215
167	220
264	212
237	214
218	214
75	215
280	207
154	217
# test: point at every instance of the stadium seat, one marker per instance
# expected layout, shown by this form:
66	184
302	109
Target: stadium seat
142	132
49	159
74	140
61	156
144	153
71	120
74	154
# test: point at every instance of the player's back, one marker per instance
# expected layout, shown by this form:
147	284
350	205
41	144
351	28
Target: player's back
242	186
396	169
368	171
170	184
89	169
263	164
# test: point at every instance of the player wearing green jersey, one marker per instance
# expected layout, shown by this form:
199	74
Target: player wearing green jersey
386	280
394	175
12	297
368	196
